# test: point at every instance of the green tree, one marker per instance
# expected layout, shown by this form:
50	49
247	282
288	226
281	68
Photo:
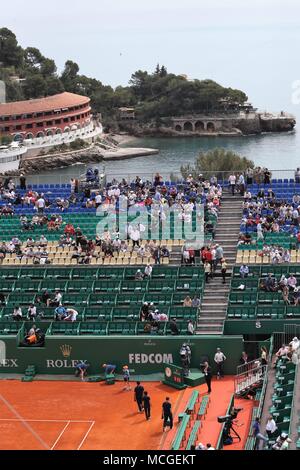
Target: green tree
217	162
10	52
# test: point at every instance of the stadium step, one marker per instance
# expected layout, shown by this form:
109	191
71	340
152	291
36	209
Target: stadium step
215	296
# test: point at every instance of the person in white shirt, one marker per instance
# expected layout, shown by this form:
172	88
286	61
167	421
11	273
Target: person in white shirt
209	447
31	312
190	328
148	271
17	313
98	200
232	183
135	235
271	428
40	204
219	359
71	315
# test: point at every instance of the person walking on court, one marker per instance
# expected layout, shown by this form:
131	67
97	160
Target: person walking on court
207	374
126	377
147	405
167	415
220	358
138	396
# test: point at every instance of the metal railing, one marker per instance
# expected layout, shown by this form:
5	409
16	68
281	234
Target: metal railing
110	175
248	375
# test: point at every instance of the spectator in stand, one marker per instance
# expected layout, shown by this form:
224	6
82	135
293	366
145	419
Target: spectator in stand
244	359
148	271
72	315
174	327
187	302
244	271
139	275
258	435
291	282
190	328
17	313
282	442
232	183
196	302
271	428
223	269
264	356
32	312
241	184
207	271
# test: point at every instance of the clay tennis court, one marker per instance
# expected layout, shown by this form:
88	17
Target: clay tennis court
88	416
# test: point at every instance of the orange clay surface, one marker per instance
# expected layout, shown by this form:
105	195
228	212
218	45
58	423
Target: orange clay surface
90	416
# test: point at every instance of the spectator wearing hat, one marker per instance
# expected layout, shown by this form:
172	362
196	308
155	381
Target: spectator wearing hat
282	442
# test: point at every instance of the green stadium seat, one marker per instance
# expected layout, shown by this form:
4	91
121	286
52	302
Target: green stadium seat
91	328
131	313
130	298
84	273
108	299
101	285
98	313
122	328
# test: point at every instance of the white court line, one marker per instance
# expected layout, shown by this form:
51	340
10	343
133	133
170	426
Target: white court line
23	421
48	420
86	435
60	435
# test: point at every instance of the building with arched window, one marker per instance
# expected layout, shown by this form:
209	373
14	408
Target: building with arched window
45	117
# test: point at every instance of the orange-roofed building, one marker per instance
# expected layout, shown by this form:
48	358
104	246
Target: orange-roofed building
45	117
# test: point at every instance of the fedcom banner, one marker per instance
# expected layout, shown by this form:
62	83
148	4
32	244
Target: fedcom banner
143	355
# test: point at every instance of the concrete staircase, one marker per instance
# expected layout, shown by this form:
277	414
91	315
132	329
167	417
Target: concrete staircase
215	298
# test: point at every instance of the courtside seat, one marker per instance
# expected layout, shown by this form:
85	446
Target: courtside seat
102	285
84	273
74	299
161	285
9	273
58	273
7	286
122	328
131	313
98	313
20	298
178	297
91	328
130	298
65	328
9	328
25	285
183	313
111	273
132	286
32	273
191	272
160	298
79	286
53	284
161	272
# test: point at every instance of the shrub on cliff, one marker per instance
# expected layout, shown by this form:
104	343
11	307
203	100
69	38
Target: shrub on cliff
78	144
217	162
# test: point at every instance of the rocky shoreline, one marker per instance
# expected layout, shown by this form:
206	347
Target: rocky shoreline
94	154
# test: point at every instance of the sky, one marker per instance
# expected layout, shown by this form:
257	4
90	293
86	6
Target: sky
250	45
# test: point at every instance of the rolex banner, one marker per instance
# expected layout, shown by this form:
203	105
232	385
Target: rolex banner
143	355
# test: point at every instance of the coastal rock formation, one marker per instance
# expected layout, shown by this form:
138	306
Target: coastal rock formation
231	124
